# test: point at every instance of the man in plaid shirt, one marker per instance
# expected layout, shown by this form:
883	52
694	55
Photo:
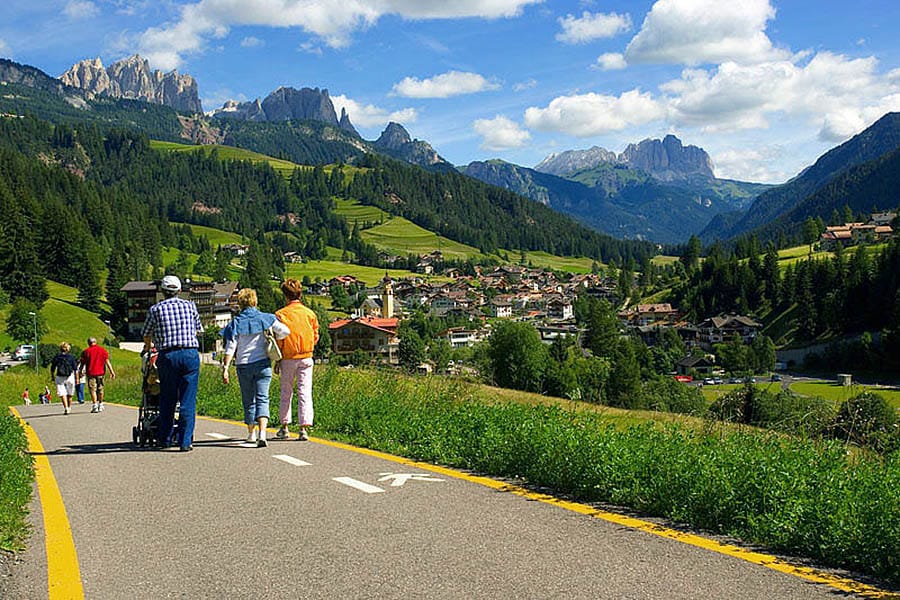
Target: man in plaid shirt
172	325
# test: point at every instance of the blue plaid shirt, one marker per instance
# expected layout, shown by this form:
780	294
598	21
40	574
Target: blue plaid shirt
173	323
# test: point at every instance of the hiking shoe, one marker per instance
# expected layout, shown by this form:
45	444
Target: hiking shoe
282	433
303	436
261	443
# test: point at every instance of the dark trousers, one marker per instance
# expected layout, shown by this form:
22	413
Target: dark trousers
179	374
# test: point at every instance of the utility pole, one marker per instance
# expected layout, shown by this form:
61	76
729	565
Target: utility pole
34	319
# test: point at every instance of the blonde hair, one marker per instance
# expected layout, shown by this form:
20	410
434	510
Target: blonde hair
292	289
64	346
247	297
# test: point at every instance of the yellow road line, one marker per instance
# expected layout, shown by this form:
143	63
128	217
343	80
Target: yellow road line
765	560
63	573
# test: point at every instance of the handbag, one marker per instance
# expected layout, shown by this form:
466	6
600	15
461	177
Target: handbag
272	349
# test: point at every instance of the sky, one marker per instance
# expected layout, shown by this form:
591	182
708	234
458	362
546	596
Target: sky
764	86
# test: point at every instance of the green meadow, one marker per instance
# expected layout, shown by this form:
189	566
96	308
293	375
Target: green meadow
401	237
354	212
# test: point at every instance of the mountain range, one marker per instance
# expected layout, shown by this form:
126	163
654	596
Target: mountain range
658	190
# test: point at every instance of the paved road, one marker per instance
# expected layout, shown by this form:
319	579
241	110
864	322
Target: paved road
231	522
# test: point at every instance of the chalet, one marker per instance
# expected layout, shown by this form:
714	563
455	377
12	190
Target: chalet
882	218
560	309
460	337
550	333
215	302
646	314
701	364
501	308
236	249
377	337
345	281
716	330
293	257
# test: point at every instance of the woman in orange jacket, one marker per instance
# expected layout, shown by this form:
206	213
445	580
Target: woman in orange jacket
297	358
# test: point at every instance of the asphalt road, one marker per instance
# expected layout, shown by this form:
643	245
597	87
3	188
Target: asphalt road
226	521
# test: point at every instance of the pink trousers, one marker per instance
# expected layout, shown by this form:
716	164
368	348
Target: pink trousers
299	370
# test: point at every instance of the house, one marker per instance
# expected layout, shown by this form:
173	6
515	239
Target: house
215	302
550	333
560	309
346	281
237	249
460	337
701	364
716	330
375	336
293	257
501	308
646	314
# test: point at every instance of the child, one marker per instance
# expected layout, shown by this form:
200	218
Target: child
26	398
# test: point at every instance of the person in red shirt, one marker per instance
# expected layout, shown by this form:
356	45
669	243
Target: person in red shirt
94	365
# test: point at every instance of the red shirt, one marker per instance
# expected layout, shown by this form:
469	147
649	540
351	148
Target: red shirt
94	360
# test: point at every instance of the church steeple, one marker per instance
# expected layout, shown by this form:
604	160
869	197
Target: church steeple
387	297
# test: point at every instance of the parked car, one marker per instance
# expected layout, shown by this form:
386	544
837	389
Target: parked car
23	352
776	377
734	380
718	380
709	381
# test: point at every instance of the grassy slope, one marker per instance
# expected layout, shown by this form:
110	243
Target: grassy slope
402	237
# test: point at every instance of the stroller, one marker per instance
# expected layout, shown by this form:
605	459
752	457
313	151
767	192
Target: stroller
145	433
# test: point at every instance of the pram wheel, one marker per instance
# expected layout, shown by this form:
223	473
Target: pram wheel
136	437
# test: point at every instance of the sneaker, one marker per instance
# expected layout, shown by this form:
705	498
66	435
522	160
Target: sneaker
186	449
261	443
94	409
282	434
251	439
66	411
303	436
100	409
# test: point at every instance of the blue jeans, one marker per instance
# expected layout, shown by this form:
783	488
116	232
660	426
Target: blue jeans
255	378
179	374
79	392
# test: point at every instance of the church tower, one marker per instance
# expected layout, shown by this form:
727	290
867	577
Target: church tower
387	297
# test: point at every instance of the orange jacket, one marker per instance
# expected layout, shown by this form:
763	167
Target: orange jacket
304	327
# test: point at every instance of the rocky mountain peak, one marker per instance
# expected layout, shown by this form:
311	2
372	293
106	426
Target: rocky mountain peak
572	161
132	78
666	159
287	103
393	137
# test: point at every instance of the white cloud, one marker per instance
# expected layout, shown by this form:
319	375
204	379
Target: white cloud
694	32
166	45
592	26
761	164
500	133
219	97
251	42
840	96
525	85
592	114
611	61
369	115
5	50
81	9
445	85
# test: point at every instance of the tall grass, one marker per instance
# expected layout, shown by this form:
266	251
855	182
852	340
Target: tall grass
791	495
16	475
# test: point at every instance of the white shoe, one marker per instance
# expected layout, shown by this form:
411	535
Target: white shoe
66	410
251	439
100	409
95	409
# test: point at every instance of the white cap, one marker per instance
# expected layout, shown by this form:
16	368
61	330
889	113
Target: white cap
170	283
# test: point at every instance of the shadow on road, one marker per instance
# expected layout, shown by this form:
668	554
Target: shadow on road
128	446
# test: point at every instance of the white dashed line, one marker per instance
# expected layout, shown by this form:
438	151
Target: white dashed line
291	460
363	487
219	436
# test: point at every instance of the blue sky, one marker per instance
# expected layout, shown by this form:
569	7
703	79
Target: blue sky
765	86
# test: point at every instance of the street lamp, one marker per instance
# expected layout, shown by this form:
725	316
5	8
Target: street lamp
34	318
109	333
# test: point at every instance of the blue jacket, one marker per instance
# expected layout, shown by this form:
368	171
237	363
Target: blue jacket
249	321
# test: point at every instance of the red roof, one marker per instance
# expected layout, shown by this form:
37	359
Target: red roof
386	325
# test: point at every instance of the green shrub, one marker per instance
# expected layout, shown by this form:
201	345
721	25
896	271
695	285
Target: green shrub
668	395
867	420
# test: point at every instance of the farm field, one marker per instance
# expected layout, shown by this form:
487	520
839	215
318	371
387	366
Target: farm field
827	390
324	270
557	263
354	212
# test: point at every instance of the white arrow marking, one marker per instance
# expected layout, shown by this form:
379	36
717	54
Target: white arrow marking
401	478
218	436
291	460
364	487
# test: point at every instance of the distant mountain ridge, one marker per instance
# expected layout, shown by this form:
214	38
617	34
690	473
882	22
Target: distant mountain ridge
132	78
787	202
666	160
